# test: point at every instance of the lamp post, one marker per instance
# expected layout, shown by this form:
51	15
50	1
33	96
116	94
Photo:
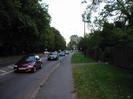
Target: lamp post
84	20
84	28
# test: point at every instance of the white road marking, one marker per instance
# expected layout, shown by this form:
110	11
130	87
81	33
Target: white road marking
6	73
6	70
2	71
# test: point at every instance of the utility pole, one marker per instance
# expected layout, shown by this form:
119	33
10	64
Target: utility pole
84	20
84	29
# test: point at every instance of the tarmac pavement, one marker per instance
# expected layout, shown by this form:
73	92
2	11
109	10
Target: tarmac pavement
60	83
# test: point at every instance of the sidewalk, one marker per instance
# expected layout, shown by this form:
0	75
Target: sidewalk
60	83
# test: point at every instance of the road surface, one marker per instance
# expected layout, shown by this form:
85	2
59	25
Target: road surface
32	85
59	85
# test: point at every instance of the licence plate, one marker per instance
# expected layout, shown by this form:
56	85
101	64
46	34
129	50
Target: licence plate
21	68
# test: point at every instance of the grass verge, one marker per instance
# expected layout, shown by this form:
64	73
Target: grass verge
102	81
80	58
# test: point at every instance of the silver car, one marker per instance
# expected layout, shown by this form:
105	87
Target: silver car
53	56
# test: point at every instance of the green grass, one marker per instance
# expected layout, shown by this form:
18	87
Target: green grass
80	58
102	81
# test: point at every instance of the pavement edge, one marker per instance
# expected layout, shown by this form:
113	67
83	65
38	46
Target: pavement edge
44	81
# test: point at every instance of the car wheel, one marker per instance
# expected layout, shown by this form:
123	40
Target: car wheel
40	66
55	58
33	69
15	71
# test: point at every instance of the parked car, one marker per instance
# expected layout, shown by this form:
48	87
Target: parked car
62	53
28	63
53	56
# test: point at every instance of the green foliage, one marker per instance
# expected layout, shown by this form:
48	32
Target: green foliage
53	40
74	40
25	27
112	44
80	58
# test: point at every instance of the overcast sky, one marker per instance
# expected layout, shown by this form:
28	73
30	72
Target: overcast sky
66	16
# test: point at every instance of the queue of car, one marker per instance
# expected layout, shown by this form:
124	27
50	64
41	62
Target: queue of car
32	62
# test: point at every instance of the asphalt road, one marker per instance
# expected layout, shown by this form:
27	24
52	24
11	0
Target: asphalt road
30	85
24	85
60	83
8	61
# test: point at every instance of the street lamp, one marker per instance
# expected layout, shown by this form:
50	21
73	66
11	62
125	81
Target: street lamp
84	19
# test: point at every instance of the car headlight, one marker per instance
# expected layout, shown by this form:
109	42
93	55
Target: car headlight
15	66
30	66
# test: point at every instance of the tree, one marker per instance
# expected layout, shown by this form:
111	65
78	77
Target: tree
53	40
111	41
22	25
74	40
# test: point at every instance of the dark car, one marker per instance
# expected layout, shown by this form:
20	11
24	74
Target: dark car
29	63
53	56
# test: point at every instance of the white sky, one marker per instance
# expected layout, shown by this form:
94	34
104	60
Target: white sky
67	16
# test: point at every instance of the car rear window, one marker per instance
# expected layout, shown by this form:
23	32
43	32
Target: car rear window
30	58
53	53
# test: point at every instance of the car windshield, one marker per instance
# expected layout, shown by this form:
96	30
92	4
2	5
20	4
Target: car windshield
30	58
62	52
53	53
27	59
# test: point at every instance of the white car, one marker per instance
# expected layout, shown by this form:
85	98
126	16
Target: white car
53	56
